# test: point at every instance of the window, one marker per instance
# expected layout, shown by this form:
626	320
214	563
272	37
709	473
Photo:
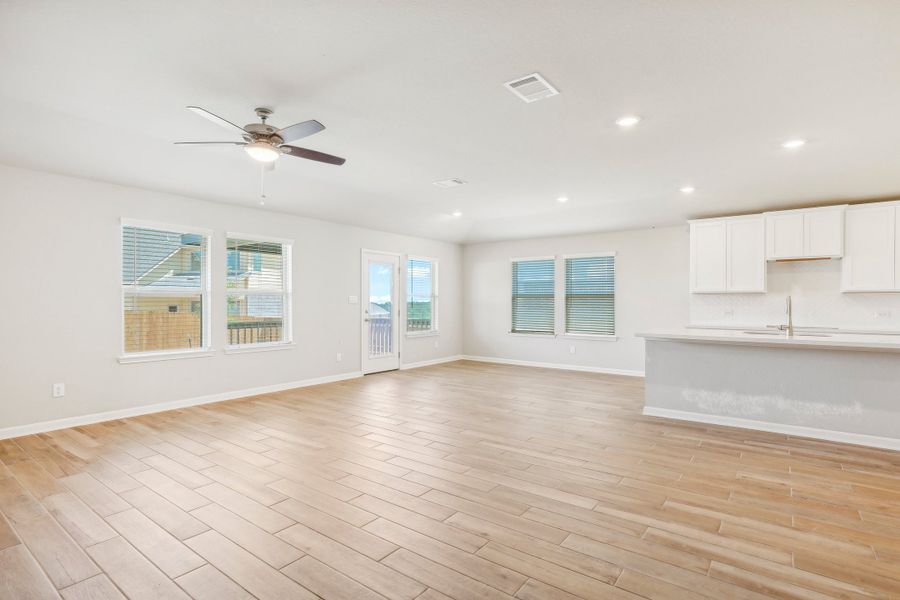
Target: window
421	296
258	282
532	296
165	289
591	295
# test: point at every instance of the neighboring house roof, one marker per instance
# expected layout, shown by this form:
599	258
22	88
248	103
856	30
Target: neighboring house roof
377	311
185	280
155	247
190	279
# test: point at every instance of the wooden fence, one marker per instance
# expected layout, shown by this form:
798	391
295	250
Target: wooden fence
154	330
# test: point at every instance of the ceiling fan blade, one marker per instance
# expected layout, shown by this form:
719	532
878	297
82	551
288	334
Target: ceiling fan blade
299	130
210	143
313	155
215	119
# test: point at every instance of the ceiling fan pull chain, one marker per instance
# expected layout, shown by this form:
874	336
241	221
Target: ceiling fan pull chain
262	185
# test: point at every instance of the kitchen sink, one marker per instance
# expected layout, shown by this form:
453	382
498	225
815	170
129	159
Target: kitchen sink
783	334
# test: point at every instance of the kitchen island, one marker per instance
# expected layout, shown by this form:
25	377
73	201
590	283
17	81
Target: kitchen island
827	385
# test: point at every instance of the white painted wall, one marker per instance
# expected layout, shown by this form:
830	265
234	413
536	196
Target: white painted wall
651	292
60	313
815	289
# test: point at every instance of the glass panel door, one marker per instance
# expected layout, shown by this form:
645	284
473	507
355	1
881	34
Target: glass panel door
380	312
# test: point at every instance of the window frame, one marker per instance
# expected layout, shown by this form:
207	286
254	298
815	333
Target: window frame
287	294
565	307
435	283
510	329
204	291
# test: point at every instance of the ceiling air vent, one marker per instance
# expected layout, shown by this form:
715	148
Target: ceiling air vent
449	183
531	88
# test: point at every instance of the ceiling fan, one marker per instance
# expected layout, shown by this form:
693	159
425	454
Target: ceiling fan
264	142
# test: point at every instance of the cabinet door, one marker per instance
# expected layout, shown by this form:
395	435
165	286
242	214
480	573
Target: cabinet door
896	248
869	253
746	267
784	234
823	233
708	261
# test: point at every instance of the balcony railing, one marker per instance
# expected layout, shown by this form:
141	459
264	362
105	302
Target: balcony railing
414	325
252	330
380	336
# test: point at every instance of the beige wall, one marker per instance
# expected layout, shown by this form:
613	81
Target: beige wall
651	292
62	309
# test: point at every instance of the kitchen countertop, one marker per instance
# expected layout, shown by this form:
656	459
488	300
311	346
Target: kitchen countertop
827	340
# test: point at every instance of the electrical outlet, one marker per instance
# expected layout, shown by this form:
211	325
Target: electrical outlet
882	314
352	300
339	357
436	343
572	349
729	312
59	390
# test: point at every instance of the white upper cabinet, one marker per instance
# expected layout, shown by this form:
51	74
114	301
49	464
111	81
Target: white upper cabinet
746	256
708	247
728	255
784	235
823	232
805	233
871	253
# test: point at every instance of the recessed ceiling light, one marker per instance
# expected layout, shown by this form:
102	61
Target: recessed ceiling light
793	144
688	189
562	199
457	213
628	121
449	183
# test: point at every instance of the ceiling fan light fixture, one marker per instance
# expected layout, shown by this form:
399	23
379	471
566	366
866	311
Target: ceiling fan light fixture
262	151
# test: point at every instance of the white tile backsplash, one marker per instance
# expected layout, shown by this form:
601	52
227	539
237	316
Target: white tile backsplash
814	287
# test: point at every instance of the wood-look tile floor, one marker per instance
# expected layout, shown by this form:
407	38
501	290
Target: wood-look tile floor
464	480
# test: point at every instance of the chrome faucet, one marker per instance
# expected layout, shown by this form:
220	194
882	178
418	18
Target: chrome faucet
789	328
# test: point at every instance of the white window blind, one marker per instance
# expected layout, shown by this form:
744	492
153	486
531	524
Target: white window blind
591	295
421	295
258	291
533	296
164	290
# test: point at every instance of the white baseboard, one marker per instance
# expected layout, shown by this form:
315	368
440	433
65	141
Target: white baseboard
543	365
428	363
859	439
44	426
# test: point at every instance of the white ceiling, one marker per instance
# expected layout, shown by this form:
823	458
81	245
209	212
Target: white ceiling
411	92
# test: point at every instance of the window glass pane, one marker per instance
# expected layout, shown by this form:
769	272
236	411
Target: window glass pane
380	314
156	323
419	295
590	295
234	262
255	318
255	265
154	258
532	296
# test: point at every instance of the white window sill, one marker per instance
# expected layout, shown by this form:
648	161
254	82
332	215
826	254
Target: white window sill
415	334
245	348
592	336
546	336
157	356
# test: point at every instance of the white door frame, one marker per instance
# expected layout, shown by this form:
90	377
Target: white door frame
391	361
